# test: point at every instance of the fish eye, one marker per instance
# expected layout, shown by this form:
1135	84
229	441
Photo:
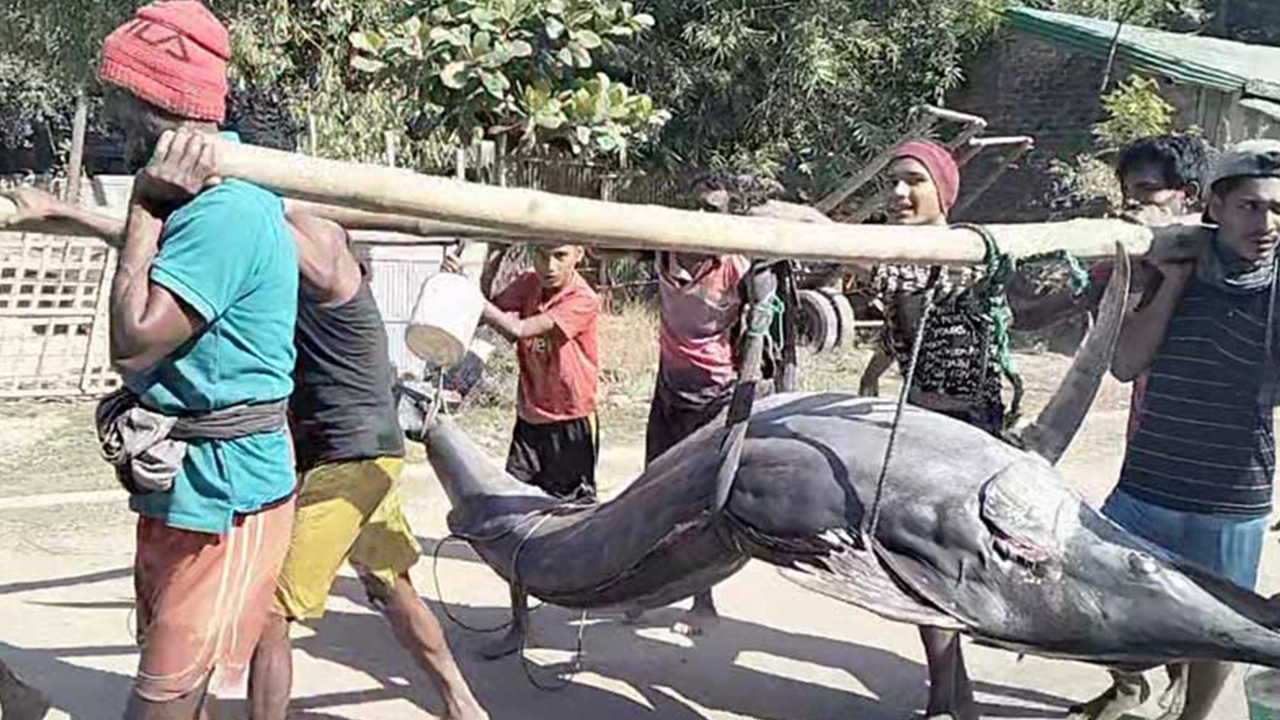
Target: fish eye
1142	564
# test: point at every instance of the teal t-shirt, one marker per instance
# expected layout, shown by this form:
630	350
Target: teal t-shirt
229	256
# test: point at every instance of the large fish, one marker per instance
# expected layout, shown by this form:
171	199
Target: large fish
974	534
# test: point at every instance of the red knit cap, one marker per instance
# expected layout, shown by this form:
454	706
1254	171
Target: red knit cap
941	166
173	54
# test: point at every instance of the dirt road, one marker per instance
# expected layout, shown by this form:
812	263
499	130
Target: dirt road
781	653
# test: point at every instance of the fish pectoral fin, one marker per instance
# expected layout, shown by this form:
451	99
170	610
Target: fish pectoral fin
1014	509
851	572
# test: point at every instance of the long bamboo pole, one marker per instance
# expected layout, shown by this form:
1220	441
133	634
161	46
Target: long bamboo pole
559	218
546	217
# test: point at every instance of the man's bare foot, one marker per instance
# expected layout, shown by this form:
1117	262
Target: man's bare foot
1127	693
508	644
464	709
1174	698
696	622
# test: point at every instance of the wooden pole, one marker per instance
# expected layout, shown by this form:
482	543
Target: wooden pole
367	221
75	164
556	219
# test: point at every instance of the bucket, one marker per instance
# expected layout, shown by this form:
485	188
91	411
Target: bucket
444	319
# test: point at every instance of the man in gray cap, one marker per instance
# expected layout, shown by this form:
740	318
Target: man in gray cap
1198	472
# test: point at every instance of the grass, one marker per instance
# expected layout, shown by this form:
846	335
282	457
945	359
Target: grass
628	365
52	447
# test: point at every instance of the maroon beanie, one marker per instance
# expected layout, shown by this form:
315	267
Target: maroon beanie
941	166
172	54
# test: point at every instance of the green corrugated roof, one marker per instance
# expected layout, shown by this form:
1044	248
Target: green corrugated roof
1190	59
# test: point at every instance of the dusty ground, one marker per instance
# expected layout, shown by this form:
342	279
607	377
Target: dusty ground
780	654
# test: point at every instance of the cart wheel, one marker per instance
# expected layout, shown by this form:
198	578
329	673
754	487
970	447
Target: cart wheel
847	331
819	324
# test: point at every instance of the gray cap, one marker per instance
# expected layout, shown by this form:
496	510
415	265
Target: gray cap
1251	158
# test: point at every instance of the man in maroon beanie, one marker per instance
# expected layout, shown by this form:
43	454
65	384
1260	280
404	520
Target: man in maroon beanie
203	304
960	374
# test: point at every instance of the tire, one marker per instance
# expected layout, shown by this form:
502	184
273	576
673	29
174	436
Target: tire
819	324
846	332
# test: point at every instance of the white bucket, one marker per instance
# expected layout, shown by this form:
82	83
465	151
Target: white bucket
444	319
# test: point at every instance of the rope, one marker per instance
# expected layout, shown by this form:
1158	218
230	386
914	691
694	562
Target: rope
902	402
525	663
763	312
990	296
762	323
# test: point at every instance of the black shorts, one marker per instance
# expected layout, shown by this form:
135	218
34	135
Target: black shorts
671	421
560	458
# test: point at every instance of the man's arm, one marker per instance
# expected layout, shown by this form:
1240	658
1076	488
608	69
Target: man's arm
510	326
35	206
147	321
1144	328
327	266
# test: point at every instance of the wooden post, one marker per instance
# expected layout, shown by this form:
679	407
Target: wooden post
389	140
603	279
988	182
833	199
75	164
312	140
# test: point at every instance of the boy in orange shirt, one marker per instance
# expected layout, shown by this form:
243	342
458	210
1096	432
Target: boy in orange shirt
551	313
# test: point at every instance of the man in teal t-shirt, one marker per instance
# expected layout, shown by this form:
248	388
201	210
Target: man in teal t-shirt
228	256
203	304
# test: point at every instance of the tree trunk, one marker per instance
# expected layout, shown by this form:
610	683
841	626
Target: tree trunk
75	164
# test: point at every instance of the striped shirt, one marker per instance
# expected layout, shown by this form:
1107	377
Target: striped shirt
1205	439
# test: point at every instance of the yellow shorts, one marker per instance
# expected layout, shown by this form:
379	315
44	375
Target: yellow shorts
346	511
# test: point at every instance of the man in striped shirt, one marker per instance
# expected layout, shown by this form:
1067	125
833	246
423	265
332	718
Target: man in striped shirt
1197	475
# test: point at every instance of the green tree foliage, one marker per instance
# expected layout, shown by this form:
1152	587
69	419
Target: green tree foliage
301	51
525	70
47	51
805	91
1134	110
62	38
31	104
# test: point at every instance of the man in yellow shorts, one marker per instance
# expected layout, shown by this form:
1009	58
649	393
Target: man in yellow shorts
349	449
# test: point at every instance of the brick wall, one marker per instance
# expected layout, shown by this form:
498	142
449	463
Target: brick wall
1025	86
1252	21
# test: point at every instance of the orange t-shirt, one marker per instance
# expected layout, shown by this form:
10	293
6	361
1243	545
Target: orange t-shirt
558	371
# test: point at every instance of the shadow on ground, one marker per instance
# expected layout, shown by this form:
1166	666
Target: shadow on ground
722	671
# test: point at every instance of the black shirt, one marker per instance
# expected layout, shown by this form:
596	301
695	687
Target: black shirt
343	407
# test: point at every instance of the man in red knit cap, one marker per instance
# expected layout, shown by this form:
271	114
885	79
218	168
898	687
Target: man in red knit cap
203	304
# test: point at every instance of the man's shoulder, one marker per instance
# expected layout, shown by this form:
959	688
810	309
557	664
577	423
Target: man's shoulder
245	203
